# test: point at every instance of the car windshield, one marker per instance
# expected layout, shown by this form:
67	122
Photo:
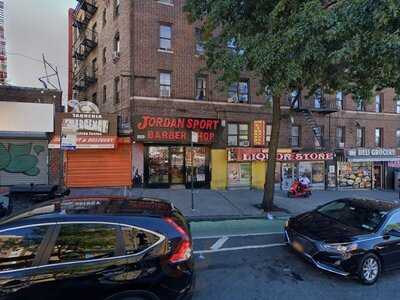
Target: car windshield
354	214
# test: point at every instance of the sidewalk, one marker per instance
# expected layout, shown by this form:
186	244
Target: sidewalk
210	205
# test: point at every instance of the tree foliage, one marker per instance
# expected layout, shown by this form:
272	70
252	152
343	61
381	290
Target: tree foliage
353	46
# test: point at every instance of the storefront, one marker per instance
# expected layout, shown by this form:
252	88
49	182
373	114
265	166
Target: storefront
94	156
366	168
169	159
24	133
247	166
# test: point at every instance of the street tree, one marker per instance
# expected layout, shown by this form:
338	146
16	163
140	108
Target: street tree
349	46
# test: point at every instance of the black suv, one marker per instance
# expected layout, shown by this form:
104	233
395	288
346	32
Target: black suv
110	248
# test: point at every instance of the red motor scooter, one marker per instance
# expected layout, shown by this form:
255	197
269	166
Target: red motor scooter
298	190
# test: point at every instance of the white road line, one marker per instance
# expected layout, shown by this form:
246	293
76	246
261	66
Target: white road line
239	248
235	235
219	243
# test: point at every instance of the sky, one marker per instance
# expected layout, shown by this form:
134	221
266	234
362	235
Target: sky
34	27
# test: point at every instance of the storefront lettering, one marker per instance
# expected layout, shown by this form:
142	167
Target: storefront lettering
164	129
177	123
259	154
371	152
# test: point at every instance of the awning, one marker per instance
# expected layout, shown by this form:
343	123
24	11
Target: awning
88	142
373	159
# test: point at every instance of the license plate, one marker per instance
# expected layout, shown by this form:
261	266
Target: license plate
298	247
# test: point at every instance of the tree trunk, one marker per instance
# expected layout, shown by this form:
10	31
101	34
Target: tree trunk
268	199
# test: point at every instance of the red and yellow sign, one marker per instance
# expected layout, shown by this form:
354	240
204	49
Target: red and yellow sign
261	154
259	133
166	129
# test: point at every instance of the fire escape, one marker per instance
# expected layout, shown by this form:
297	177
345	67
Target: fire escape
85	41
320	104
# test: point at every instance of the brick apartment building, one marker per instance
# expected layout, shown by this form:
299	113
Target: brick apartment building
143	61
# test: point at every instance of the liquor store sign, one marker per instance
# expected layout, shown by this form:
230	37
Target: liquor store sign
178	130
261	154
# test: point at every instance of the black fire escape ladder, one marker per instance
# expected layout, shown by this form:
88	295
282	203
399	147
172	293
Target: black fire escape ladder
312	123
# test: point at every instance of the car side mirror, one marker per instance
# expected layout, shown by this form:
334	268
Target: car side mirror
393	232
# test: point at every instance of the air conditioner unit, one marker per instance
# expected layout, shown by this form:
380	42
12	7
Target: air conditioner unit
245	144
115	55
341	145
233	99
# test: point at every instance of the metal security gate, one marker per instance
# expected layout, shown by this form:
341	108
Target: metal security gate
23	161
99	167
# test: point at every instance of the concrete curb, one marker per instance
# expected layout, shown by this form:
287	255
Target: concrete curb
231	218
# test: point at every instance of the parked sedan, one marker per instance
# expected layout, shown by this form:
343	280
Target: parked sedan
349	237
96	248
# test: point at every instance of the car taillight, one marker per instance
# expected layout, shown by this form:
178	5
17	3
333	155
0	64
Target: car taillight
183	251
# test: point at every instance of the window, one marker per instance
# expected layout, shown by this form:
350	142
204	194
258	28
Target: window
200	49
104	55
201	88
136	241
77	242
238	135
378	137
339	100
117	45
116	90
94	98
398	138
104	94
165	84
318	98
378	103
318	136
295	140
398	106
168	2
233	47
104	17
360	137
360	105
294	99
239	92
94	68
165	37
116	8
394	223
269	99
19	247
340	137
268	133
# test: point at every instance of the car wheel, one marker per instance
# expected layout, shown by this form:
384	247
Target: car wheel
369	269
134	295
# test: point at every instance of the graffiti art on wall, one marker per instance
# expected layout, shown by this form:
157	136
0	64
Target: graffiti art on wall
20	158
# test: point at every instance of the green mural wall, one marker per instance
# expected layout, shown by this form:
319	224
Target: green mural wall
20	158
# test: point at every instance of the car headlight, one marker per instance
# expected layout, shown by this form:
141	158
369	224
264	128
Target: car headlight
343	248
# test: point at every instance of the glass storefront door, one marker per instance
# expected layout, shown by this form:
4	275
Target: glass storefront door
171	165
177	170
158	166
289	173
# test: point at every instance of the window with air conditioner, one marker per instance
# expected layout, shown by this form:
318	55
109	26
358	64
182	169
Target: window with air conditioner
340	137
165	37
239	92
165	84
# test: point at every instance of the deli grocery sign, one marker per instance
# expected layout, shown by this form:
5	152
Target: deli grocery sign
165	129
374	154
261	154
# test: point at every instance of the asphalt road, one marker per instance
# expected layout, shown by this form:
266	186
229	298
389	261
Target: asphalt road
260	266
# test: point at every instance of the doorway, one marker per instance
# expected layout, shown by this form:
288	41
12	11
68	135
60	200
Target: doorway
378	176
171	166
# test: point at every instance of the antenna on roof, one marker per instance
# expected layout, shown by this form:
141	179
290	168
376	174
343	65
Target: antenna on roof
48	78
